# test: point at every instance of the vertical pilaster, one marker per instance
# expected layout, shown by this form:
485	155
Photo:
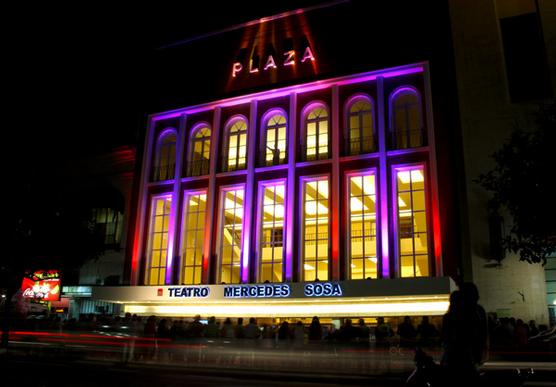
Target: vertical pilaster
383	181
334	210
290	189
173	258
210	219
249	195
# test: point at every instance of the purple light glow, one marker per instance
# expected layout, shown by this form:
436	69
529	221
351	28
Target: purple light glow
304	88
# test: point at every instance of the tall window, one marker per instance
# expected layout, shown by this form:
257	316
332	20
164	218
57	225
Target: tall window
406	119
193	237
362	226
361	137
275	150
271	232
412	230
236	153
199	152
315	233
231	235
165	161
158	239
316	134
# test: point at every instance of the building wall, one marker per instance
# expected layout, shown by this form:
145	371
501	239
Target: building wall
487	117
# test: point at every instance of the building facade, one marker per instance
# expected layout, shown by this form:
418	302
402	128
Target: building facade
310	185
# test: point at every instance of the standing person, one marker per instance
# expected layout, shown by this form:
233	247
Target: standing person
252	330
383	332
407	332
240	329
228	329
427	332
364	331
464	335
315	330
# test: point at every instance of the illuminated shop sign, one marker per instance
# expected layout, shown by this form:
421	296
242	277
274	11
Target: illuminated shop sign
188	291
272	61
257	291
41	285
325	289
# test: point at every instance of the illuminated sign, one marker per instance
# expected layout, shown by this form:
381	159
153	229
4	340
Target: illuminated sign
272	61
188	291
41	285
325	289
257	291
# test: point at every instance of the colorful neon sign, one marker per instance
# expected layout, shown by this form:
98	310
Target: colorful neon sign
42	285
287	59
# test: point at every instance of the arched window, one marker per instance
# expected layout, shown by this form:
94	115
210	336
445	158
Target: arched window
316	132
406	121
236	143
199	151
275	125
360	126
165	161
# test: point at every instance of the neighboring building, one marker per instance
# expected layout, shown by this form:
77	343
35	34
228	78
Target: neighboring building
104	182
506	68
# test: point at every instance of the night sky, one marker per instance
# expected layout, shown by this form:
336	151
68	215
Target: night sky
86	76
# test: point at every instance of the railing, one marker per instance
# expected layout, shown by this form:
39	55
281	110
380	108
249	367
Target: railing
403	139
163	172
360	146
198	167
235	165
276	160
313	156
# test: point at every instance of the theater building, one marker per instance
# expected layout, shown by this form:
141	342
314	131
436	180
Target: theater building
302	185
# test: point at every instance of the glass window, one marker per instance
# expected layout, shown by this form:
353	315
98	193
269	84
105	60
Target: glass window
412	227
316	134
362	226
360	132
108	225
271	232
199	152
193	237
158	239
406	120
236	153
315	238
275	150
231	235
165	161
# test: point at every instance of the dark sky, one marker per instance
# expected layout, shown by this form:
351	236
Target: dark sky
83	76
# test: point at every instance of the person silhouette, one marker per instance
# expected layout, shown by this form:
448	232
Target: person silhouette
464	336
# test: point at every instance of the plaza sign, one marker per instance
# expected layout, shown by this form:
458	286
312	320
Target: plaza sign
272	61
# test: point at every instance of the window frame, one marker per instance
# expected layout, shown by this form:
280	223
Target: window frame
399	91
219	247
301	239
378	234
192	141
352	100
305	112
183	231
148	259
226	144
264	141
158	154
262	184
395	211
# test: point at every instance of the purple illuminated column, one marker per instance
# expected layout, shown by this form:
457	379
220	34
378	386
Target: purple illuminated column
290	188
383	180
250	189
173	232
